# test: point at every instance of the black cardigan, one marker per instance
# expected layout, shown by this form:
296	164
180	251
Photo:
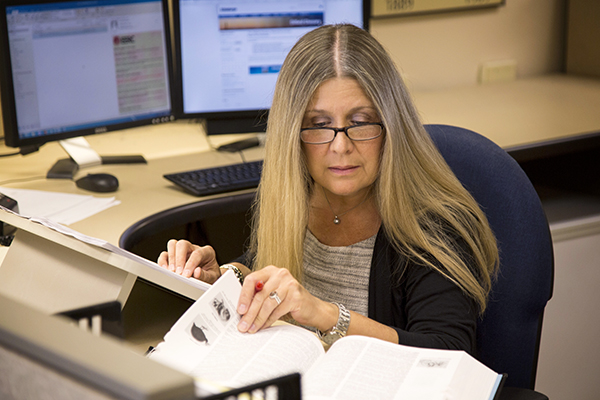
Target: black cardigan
425	308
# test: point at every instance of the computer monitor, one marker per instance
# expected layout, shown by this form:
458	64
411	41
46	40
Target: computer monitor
229	52
72	68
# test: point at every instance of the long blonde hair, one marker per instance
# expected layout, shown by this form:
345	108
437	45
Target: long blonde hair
418	196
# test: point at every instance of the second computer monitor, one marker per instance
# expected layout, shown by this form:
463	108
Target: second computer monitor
229	53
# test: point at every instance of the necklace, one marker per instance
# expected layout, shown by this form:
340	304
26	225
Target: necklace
336	217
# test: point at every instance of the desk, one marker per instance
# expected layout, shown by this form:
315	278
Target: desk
142	191
530	118
533	118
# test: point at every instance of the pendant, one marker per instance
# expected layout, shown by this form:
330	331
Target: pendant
336	220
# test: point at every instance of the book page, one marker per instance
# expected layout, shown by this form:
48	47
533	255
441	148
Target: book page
206	343
470	379
360	367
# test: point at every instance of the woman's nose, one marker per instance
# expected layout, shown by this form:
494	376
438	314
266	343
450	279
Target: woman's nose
341	143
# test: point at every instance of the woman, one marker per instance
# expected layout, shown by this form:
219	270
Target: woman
359	227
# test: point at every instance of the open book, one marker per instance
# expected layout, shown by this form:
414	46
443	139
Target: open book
206	344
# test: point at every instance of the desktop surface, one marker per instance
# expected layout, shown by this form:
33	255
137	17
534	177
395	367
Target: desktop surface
142	189
526	117
529	114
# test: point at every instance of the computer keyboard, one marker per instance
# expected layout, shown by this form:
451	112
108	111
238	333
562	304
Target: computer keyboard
223	179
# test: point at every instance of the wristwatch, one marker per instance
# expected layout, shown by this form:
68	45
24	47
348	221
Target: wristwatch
236	271
339	330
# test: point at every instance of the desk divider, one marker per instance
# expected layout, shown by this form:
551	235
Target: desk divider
54	272
53	277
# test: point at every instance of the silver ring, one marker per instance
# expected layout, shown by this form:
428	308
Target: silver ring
273	295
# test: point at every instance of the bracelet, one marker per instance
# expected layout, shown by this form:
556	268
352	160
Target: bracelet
340	329
236	271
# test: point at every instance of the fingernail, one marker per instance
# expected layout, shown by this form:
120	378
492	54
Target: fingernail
242	309
252	329
243	326
178	271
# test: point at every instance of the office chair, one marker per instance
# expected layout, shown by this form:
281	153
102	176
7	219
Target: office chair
508	335
222	222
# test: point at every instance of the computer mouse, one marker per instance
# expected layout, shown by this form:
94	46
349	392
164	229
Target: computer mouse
100	182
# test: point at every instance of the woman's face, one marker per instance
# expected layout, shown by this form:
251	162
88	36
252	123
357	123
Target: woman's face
342	167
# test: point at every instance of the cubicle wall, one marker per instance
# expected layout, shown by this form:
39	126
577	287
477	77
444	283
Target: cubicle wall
44	356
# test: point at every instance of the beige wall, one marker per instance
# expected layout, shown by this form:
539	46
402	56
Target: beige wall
445	50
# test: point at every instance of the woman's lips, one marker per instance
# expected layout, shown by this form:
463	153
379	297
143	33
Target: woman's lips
343	170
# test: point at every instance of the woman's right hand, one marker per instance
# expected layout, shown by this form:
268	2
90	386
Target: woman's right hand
190	260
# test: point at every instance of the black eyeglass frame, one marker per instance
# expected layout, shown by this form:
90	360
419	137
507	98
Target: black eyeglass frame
345	130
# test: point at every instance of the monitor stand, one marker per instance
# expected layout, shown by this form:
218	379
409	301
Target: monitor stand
82	155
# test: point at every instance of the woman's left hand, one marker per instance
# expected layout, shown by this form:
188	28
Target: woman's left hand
281	294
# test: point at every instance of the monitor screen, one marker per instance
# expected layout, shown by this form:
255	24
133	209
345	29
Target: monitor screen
229	53
74	68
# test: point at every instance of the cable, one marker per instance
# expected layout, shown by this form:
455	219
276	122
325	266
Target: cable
22	151
10	154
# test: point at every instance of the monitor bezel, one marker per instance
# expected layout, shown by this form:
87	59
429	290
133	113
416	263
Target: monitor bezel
7	94
225	122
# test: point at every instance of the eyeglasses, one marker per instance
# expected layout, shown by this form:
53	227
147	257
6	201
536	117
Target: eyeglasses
357	133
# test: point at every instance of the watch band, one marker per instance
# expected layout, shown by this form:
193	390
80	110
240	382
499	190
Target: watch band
236	271
340	329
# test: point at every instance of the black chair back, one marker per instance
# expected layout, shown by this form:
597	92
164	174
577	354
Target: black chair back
508	335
